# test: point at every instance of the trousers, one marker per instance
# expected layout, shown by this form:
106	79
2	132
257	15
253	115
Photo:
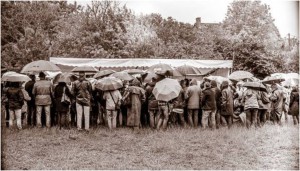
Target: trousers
15	114
39	115
85	111
209	115
111	118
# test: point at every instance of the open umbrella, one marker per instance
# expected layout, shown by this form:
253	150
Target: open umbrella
218	79
272	80
84	68
240	75
134	71
64	77
15	77
123	76
147	77
255	85
103	73
166	89
187	69
109	83
38	66
159	67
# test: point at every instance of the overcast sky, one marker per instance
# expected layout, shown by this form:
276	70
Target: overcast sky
285	13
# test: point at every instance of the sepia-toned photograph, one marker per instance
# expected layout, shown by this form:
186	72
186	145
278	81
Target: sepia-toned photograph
150	85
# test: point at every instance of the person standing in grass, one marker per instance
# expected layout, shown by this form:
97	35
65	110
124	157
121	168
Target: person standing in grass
137	96
152	104
82	90
113	101
218	94
263	103
250	100
226	103
42	90
179	104
62	108
294	105
15	98
208	106
278	100
31	103
193	96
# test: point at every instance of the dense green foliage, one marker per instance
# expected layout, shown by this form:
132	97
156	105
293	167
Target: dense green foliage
108	29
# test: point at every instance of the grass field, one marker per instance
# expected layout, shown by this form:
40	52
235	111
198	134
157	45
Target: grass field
270	147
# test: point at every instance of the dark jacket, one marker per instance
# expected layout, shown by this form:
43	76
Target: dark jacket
82	91
29	87
208	99
179	102
58	92
15	98
217	94
152	102
226	100
294	103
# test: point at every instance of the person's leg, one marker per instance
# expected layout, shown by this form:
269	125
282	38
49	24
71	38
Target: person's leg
160	117
79	111
114	119
218	119
263	117
11	118
39	116
181	118
109	118
196	119
248	118
204	120
151	118
48	117
120	117
166	117
86	110
213	119
190	117
254	117
18	113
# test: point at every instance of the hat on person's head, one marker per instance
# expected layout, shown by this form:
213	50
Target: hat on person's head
42	75
213	83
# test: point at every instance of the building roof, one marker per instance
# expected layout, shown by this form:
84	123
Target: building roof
139	62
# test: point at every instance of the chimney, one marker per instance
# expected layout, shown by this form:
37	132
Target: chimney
198	22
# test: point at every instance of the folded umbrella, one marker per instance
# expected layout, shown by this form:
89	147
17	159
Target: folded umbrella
255	85
103	73
123	76
166	89
240	75
109	83
15	77
38	66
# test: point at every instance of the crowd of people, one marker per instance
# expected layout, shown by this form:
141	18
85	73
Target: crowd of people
40	103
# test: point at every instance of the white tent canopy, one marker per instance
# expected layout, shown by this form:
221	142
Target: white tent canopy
140	62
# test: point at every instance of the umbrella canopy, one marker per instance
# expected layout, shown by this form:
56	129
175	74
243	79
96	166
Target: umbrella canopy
160	67
240	75
15	77
218	79
166	89
93	82
103	73
147	77
64	77
109	83
38	66
187	69
84	68
272	80
134	71
255	85
123	76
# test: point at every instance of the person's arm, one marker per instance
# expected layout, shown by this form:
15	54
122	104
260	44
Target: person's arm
223	98
34	90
